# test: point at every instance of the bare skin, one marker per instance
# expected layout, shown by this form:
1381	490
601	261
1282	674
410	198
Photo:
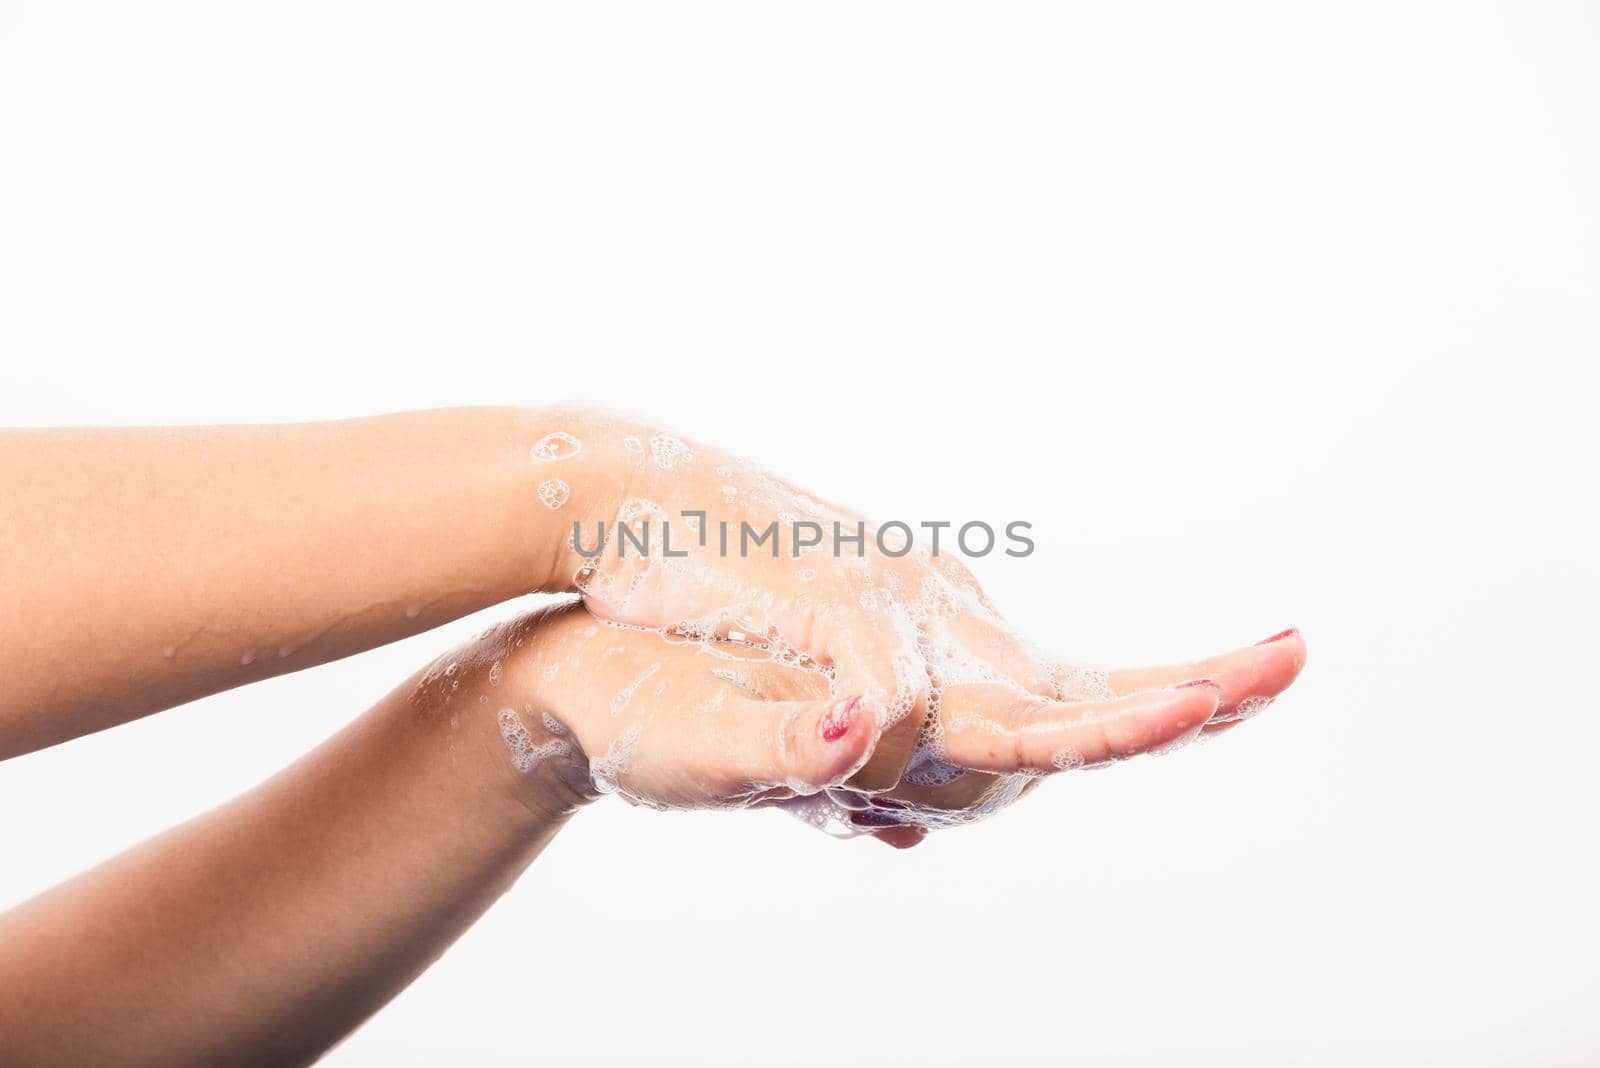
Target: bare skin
714	725
146	568
266	930
232	939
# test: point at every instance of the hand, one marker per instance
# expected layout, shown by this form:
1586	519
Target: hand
586	708
1003	742
898	630
717	724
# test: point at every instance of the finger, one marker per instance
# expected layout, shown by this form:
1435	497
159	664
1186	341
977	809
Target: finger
1211	730
902	837
997	728
973	791
990	640
992	643
804	745
1250	677
891	827
885	666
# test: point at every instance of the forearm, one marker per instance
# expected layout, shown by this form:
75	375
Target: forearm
264	931
141	568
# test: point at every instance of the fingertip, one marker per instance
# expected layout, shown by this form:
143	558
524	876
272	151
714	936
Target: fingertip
902	836
838	718
847	733
1192	705
1257	673
1263	671
1290	643
869	718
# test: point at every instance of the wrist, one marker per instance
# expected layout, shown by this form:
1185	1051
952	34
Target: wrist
482	704
569	472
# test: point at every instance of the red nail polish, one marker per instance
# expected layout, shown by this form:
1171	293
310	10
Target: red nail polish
1279	636
1198	682
836	721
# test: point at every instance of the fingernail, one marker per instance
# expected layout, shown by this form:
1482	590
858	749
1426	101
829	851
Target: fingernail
1213	683
1278	637
836	720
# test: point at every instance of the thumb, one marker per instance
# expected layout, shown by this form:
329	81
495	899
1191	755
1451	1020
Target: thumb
809	745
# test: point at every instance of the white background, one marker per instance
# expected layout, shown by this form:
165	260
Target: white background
1264	316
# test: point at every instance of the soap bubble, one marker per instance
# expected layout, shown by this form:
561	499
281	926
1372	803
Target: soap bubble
617	760
1066	759
620	701
667	452
554	493
527	753
558	445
